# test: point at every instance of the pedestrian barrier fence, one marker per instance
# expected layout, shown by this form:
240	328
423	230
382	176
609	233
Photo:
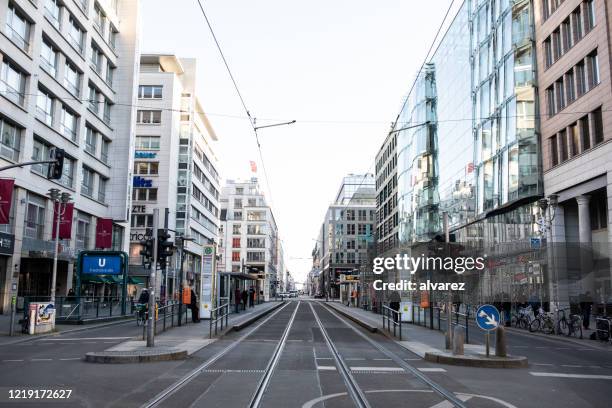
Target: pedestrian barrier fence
166	317
432	317
603	325
391	317
218	316
77	308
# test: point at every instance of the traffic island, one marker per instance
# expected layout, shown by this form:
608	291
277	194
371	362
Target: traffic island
476	360
137	355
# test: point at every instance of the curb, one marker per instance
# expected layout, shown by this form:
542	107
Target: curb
146	356
239	326
561	339
368	327
474	361
57	333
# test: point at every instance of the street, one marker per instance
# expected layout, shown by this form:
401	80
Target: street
303	355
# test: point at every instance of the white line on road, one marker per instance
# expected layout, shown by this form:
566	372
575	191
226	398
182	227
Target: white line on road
11	361
571	366
542	364
326	368
87	338
41	359
413	359
70	359
387	369
382	359
432	370
562	375
355	359
447	404
324	358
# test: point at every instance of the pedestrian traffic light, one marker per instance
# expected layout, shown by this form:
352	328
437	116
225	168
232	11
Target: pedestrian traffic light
165	248
55	170
147	251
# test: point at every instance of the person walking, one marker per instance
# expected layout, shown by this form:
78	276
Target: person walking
245	297
237	298
251	297
195	309
585	306
394	303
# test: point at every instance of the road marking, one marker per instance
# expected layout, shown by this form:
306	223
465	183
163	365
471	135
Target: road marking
587	349
562	375
41	359
233	371
324	358
447	404
431	369
381	369
355	359
70	359
11	361
295	340
413	359
571	366
382	359
86	338
542	364
326	368
594	366
562	348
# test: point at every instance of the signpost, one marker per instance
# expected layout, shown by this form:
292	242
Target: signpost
487	318
206	290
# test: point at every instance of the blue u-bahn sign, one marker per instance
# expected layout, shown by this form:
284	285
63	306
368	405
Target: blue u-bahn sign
101	264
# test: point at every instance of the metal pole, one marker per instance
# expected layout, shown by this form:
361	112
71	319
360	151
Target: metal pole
54	274
449	324
488	343
152	283
166	215
180	317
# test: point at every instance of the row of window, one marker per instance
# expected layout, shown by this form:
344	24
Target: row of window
202	199
144	194
580	79
361	229
147	142
146	168
148	117
351	258
577	137
203	220
150	92
199	174
251	243
362	215
580	22
207	163
50	62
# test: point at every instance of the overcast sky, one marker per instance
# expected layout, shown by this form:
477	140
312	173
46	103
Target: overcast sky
338	67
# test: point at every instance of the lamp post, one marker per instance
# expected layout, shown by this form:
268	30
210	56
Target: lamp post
548	208
60	199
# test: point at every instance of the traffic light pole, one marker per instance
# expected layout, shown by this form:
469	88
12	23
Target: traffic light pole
152	285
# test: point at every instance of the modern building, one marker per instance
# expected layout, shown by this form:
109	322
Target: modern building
68	75
472	150
175	166
573	47
346	233
249	244
387	219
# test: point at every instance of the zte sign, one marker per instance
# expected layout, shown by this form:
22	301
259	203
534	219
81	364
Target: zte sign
101	264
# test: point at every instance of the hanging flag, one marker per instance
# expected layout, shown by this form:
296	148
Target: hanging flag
253	166
65	227
6	199
104	233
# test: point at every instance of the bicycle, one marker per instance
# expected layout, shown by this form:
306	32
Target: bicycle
141	314
523	318
543	322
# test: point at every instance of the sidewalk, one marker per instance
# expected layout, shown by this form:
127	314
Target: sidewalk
177	343
429	344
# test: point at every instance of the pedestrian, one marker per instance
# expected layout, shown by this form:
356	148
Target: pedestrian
237	298
585	307
394	303
144	297
193	305
245	297
251	297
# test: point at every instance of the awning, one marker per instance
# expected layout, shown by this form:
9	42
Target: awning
92	279
135	281
238	275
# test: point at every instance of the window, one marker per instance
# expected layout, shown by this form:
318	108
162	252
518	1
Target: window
570	85
593	67
87	182
236	229
75	34
255	229
590	15
577	27
256	242
144	194
72	79
580	78
99	19
147	142
559	95
235	242
574	139
256	256
110	72
563	145
150	92
52	12
102	189
40	151
104	150
362	229
239	190
96	58
12	83
48	57
108	105
350	229
68	125
550	101
256	215
350	215
237	203
67	173
149	117
350	244
142	221
94	99
18	28
44	107
82	232
598	126
146	168
586	135
252	202
237	215
91	140
112	36
556	44
10	140
566	35
235	256
35	216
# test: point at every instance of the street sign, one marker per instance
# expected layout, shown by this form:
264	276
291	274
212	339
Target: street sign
535	243
487	317
101	264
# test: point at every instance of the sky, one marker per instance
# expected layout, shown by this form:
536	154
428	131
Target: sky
340	68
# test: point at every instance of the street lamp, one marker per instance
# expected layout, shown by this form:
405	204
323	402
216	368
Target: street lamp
548	208
60	199
180	241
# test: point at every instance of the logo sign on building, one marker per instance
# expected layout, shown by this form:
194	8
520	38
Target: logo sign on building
141	182
6	199
101	264
7	243
487	317
104	233
139	209
145	155
65	226
206	288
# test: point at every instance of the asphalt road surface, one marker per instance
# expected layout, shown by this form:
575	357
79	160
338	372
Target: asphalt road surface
303	355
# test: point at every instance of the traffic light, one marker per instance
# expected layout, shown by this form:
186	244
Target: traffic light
55	169
147	250
165	248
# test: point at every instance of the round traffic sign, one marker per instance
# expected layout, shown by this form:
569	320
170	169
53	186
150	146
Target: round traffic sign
487	317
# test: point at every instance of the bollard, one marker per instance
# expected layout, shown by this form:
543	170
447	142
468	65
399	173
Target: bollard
500	341
458	341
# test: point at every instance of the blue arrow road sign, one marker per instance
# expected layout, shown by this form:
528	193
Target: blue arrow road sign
487	317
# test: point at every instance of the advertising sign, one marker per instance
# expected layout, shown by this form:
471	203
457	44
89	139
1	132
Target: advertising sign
101	264
6	199
206	288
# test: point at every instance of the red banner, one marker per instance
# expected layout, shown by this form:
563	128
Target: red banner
65	227
104	233
6	199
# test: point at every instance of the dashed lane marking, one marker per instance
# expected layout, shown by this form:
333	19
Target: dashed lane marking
543	364
233	371
432	370
70	359
11	361
86	338
564	375
378	369
41	359
326	368
381	359
571	365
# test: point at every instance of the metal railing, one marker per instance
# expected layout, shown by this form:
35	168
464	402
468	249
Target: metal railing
166	317
219	314
84	307
392	317
421	317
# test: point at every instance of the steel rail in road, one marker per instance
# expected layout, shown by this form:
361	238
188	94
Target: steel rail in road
443	392
353	388
193	374
265	379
